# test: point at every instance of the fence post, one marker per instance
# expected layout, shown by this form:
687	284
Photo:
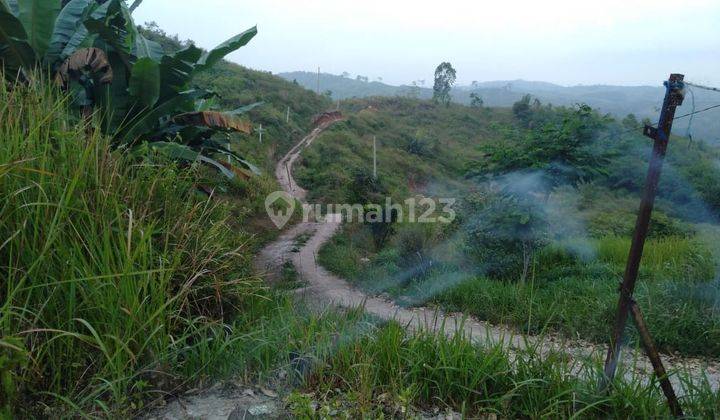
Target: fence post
673	98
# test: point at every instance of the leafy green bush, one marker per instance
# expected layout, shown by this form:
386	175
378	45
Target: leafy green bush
503	232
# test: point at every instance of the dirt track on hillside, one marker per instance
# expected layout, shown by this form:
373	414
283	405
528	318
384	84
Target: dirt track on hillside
230	400
326	289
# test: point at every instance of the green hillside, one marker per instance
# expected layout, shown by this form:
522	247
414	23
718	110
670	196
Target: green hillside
642	101
132	216
237	86
562	194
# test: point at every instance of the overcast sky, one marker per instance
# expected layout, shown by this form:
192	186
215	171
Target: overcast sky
625	42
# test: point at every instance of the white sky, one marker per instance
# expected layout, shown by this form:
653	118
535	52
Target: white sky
625	42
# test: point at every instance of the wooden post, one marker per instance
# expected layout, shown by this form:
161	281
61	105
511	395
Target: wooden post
661	135
260	132
650	349
375	157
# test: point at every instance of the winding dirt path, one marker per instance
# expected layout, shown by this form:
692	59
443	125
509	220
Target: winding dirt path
326	289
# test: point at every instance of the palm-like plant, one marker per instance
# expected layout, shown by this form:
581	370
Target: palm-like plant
143	95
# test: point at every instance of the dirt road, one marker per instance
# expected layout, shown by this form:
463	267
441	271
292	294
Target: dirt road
328	289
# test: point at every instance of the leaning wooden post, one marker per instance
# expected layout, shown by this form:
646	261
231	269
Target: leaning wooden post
657	364
673	98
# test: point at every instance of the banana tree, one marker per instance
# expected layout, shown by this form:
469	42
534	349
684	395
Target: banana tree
95	51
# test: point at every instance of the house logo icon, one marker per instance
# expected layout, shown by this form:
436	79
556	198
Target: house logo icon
280	206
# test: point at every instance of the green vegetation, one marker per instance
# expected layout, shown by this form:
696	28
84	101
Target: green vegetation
236	86
390	372
112	266
445	77
546	211
121	283
126	272
641	101
143	96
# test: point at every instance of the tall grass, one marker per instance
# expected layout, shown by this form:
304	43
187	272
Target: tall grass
380	371
108	265
678	258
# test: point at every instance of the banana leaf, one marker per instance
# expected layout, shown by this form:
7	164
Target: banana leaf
144	83
181	152
211	57
15	51
214	146
69	31
38	17
147	122
214	119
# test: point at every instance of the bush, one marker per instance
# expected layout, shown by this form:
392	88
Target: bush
503	232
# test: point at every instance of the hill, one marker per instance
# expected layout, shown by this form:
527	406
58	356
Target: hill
642	101
562	181
128	275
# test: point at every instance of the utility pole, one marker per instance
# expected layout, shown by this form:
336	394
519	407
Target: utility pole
287	116
318	81
260	132
375	157
674	96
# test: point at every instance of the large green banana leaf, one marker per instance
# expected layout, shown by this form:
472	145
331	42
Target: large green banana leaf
146	48
146	122
177	151
215	147
69	31
211	57
38	18
177	70
144	84
141	46
15	52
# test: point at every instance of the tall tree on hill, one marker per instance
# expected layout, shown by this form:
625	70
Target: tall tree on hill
445	77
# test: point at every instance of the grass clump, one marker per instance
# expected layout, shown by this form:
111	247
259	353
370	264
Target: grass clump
389	371
109	266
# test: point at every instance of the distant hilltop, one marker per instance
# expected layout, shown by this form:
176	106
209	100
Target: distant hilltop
643	101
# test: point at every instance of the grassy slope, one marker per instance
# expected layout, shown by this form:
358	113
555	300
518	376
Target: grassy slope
449	138
121	284
129	276
575	296
239	86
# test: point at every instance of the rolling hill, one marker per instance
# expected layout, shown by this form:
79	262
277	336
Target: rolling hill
643	101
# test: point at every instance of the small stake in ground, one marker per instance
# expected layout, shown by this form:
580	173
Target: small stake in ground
260	132
375	157
674	96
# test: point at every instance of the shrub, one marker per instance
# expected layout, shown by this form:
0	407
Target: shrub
503	232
